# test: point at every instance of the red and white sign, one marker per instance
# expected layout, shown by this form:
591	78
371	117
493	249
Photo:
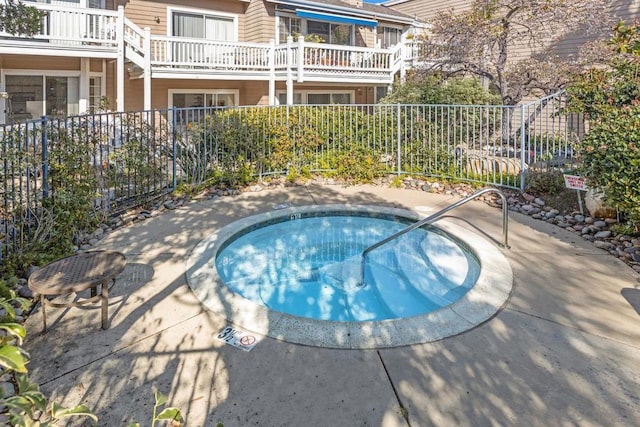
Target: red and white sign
575	182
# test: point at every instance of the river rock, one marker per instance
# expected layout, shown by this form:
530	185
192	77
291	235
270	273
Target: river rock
603	234
601	244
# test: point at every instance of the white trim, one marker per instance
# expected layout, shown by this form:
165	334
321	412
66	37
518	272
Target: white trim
234	92
207	12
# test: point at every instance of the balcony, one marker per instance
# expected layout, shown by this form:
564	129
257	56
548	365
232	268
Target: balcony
83	32
68	31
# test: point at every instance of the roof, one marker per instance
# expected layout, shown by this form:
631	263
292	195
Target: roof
368	10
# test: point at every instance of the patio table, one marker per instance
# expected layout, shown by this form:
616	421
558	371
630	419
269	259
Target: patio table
76	273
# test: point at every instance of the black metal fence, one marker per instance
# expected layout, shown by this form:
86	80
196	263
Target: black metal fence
121	160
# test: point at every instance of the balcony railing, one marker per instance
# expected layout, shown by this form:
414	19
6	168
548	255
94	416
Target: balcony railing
96	31
73	26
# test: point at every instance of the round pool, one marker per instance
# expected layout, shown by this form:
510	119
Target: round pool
298	274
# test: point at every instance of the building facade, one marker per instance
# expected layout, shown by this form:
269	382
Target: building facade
147	54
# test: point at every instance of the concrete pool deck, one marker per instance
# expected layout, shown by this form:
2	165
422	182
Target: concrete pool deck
564	350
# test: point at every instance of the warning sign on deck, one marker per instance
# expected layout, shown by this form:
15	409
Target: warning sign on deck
575	182
238	338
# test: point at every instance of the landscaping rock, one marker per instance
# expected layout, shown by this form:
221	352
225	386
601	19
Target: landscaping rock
25	292
600	244
603	234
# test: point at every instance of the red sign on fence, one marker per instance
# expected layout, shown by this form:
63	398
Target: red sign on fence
575	182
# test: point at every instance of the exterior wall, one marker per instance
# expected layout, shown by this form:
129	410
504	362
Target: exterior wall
260	22
427	10
19	62
250	92
625	10
144	13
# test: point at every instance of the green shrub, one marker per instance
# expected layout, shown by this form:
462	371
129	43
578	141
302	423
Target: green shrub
610	96
611	158
545	182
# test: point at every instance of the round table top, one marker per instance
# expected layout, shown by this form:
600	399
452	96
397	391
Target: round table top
77	272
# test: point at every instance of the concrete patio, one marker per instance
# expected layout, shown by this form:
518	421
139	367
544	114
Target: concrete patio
564	350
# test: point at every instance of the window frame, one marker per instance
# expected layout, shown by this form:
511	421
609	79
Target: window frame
204	12
304	94
234	92
305	30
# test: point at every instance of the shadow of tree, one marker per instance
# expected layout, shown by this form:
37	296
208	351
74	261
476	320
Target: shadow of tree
563	350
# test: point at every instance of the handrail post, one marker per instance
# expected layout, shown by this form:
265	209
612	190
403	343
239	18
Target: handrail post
399	137
522	143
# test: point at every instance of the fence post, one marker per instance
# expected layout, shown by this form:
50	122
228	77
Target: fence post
399	137
45	158
522	144
174	146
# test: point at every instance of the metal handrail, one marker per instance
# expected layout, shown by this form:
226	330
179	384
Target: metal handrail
436	216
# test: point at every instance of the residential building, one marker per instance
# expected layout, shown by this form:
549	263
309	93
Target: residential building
616	10
149	54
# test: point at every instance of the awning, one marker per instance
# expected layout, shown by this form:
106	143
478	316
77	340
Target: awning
336	18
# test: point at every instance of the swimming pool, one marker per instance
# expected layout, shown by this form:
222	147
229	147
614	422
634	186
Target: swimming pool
296	274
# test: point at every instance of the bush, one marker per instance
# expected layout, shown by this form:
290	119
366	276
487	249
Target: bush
434	89
611	158
611	98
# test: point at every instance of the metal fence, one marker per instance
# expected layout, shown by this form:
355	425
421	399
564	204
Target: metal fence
121	160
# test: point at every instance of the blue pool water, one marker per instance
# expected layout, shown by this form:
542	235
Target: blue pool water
311	267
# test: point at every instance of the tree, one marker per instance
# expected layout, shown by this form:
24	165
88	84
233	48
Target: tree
481	41
19	19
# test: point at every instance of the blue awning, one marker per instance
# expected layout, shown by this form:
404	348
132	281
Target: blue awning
336	18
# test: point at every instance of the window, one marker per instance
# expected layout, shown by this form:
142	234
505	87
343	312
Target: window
297	98
198	99
330	33
388	36
95	94
314	31
288	26
317	98
200	26
32	96
381	92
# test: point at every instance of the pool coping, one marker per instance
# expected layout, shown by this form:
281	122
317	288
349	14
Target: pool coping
479	304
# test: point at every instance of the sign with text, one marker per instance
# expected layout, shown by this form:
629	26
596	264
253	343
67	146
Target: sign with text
575	182
238	338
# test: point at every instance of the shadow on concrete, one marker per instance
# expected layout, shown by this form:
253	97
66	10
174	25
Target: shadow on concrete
563	351
632	295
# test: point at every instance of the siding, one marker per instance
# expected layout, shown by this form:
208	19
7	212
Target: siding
19	62
143	13
625	10
427	10
260	22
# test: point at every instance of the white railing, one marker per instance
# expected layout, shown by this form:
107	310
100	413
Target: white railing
324	57
135	42
85	28
76	26
175	52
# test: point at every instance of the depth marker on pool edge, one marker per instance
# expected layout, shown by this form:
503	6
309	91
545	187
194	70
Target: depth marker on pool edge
238	338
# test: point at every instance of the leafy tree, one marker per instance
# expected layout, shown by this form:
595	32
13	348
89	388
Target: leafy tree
19	19
481	42
434	89
610	96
